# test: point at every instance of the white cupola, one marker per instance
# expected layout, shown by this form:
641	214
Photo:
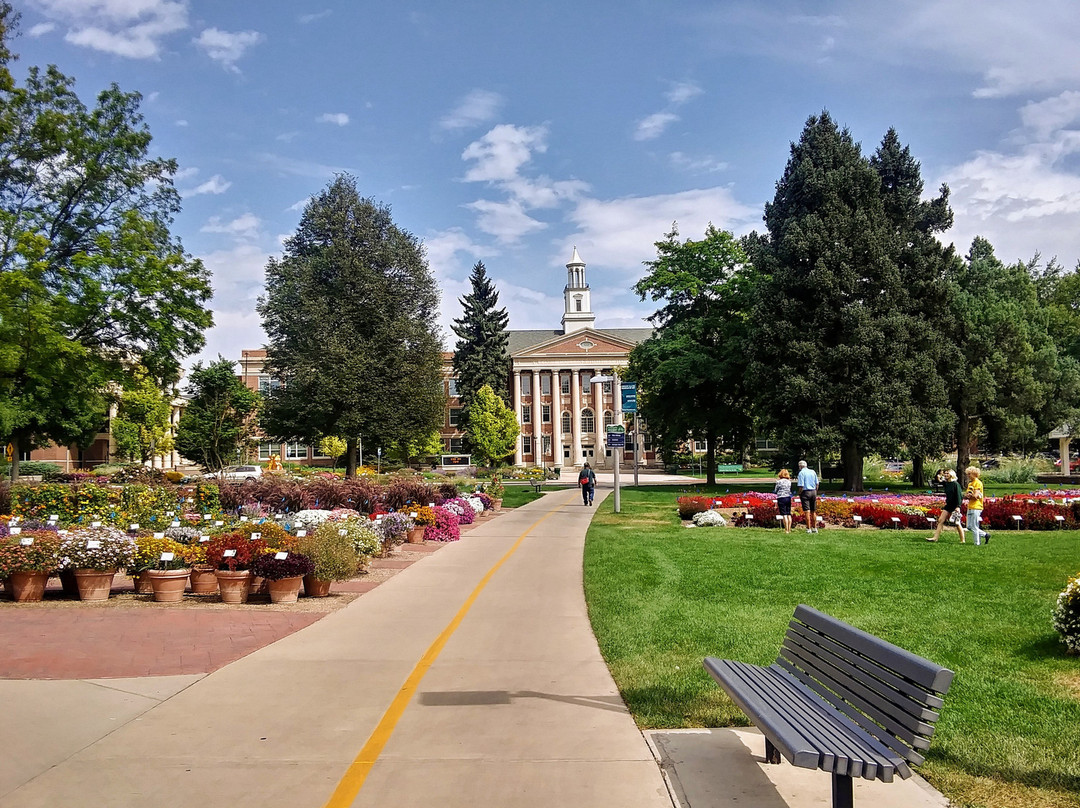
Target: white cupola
577	312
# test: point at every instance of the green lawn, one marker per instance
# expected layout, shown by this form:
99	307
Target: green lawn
661	597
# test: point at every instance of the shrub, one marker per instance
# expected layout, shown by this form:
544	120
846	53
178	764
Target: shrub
272	568
1066	615
273	534
361	494
688	506
360	532
5	497
206	498
462	509
114	549
332	554
1019	470
403	492
709	519
495	488
310	519
173	476
41	555
393	527
136	473
445	491
40	468
184	535
245	551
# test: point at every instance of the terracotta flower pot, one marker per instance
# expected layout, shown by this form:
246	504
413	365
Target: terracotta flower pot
168	585
94	584
233	585
284	590
27	587
496	505
142	584
203	581
416	535
316	587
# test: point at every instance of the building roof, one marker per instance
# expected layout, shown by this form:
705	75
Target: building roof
522	340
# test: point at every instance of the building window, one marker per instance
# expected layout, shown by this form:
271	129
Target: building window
577	302
453	388
586	380
526	444
567	423
646	442
700	446
564	384
609	419
268	385
317	453
457	445
526	414
267	450
296	451
545	442
588	422
526	384
607	385
455	416
545	384
545	413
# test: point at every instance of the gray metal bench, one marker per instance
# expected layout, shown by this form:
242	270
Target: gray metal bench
840	700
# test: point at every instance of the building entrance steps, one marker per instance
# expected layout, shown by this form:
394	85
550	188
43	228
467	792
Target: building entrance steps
471	678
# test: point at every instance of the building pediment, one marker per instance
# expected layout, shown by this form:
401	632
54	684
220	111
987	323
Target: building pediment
583	343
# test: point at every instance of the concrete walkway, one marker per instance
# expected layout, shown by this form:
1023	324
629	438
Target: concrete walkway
515	708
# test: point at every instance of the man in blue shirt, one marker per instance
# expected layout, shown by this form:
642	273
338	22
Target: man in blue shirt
807	482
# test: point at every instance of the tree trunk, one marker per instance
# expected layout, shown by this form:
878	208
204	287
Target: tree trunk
710	458
14	459
350	458
918	471
852	459
963	444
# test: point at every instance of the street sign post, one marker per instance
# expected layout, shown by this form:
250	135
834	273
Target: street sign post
628	391
616	436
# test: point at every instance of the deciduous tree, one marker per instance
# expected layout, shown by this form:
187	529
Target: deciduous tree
219	420
142	422
493	427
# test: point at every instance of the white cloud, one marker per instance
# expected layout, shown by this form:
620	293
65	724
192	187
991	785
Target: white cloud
227	47
1046	116
299	168
299	205
621	233
180	122
654	125
500	153
215	185
682	91
337	118
242	227
131	28
507	220
705	165
41	29
478	107
305	19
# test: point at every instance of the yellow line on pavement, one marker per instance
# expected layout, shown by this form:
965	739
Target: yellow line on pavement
349	786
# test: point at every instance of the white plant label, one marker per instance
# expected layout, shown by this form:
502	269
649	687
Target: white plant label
204	538
159	535
53	517
256	536
895	518
175	523
243	518
133	526
26	541
93	544
229	553
342	532
95	524
412	515
207	517
1060	518
218	523
857	518
301	533
15	531
1017	517
168	556
281	556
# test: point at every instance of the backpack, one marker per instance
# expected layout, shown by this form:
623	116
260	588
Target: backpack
583	479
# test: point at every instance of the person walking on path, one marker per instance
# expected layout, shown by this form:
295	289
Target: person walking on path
974	497
951	511
807	481
587	481
782	489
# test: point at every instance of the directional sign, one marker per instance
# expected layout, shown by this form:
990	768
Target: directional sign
616	436
629	396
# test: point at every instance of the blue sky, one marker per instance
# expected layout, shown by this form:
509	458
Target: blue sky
512	132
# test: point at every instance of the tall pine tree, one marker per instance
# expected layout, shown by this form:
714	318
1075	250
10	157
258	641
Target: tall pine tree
827	358
480	355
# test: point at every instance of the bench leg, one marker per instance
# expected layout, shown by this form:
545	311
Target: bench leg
772	754
842	791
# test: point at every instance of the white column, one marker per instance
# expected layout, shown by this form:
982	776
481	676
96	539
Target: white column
556	419
575	409
599	438
537	430
518	457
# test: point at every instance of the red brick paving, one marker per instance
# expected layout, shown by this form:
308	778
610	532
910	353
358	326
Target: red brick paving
96	642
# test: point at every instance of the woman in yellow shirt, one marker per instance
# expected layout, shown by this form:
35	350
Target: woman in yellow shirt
974	497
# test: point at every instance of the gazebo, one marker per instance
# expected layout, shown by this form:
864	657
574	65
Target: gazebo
1063	434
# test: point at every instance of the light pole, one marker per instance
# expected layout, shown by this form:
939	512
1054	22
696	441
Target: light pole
614	379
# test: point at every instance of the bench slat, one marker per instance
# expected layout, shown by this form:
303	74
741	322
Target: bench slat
910	689
916	668
801	725
896	706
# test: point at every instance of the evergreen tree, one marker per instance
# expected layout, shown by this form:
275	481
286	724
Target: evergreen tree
924	420
218	421
831	337
350	314
480	355
692	371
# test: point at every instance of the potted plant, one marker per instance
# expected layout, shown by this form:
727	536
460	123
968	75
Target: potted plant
148	549
393	528
333	555
96	555
26	562
169	574
495	490
231	555
203	579
283	572
424	518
